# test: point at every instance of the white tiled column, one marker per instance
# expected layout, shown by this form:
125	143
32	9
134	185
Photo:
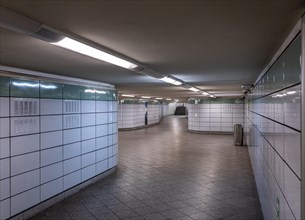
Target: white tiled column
51	154
303	123
4	159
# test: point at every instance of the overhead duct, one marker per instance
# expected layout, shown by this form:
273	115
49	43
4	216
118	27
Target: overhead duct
22	24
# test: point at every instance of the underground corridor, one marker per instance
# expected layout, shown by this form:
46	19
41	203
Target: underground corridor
166	172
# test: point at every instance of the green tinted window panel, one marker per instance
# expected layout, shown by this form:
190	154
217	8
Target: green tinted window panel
279	74
204	101
292	63
4	86
114	95
216	101
24	88
50	90
101	95
88	93
72	91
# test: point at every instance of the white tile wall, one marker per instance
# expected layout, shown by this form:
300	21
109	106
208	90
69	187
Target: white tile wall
72	150
51	172
25	200
4	168
131	115
5	189
88	119
88	132
24	163
101	106
4	127
88	146
50	145
214	117
5	208
278	149
25	181
50	156
87	106
24	144
72	179
51	123
51	106
51	139
88	159
4	148
72	135
88	172
101	142
102	154
21	126
51	188
72	164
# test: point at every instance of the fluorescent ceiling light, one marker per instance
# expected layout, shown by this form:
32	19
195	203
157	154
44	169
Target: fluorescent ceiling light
172	81
145	97
205	93
168	99
126	95
159	98
24	84
94	91
194	89
291	92
84	49
48	86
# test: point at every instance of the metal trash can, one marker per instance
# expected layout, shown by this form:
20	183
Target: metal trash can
238	135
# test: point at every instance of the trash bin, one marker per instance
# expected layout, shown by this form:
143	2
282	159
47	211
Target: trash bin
238	135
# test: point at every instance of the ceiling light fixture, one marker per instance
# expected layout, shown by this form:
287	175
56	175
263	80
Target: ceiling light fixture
145	97
159	98
194	89
170	80
168	99
205	93
84	49
126	95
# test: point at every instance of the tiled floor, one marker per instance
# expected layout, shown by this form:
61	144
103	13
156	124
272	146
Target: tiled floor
165	172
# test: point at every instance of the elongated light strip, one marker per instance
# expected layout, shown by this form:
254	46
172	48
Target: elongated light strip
126	95
194	89
172	81
84	49
159	98
145	97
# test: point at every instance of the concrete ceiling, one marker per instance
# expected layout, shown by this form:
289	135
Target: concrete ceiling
214	45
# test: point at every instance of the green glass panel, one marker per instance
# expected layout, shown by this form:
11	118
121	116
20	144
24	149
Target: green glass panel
292	64
88	93
72	91
204	101
50	90
114	95
24	88
101	95
4	86
279	74
216	101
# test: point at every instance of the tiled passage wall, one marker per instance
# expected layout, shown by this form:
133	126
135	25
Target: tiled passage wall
219	115
132	114
154	113
52	137
273	133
